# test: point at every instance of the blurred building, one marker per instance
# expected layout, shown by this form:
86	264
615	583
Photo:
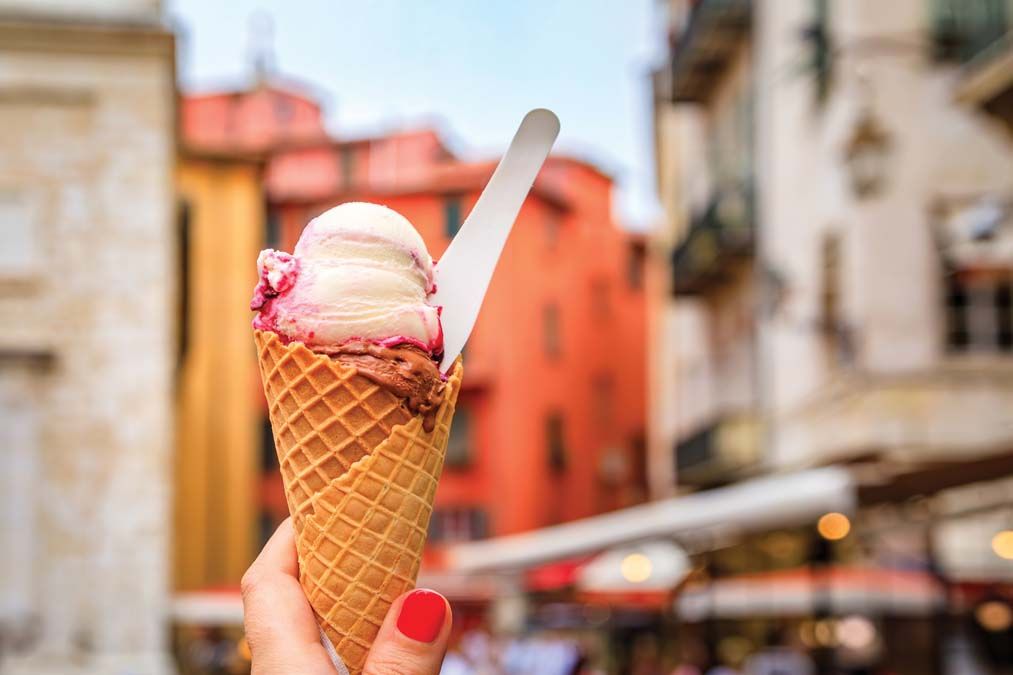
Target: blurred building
838	185
550	425
220	215
87	349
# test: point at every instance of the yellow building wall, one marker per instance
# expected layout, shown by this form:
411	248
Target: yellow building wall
219	409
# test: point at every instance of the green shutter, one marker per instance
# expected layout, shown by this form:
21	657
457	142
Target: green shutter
452	215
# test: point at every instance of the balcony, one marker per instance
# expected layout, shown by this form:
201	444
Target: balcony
967	30
718	241
706	46
977	34
719	453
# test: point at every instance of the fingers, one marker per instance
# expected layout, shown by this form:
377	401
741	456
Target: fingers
280	627
283	635
413	638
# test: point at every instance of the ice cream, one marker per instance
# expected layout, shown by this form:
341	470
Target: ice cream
349	343
356	288
359	272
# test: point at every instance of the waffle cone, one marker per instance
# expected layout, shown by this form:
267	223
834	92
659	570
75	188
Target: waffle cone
360	475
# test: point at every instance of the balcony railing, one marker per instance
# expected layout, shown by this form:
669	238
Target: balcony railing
720	237
965	30
702	51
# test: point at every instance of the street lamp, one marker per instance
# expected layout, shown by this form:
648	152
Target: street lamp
867	155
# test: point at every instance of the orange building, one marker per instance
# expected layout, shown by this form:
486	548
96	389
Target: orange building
551	421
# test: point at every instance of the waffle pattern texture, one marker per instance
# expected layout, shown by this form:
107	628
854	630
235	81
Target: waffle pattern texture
360	475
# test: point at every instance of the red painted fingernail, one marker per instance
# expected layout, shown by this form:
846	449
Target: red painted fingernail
422	614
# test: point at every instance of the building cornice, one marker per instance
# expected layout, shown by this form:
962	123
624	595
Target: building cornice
29	33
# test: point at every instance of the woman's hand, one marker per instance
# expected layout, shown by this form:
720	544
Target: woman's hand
283	635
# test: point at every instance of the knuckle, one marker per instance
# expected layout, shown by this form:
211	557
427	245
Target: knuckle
391	663
250	581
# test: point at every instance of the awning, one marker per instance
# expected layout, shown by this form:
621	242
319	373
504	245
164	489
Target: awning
799	592
654	566
222	607
763	503
458	587
554	575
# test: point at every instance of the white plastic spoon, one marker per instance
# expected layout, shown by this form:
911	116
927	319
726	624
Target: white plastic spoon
464	271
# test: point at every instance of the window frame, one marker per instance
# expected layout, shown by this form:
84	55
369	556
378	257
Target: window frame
453	209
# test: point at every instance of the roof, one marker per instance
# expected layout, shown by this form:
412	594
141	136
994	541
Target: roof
280	84
572	160
444	178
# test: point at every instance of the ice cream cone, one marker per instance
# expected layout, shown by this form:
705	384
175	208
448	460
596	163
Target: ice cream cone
360	475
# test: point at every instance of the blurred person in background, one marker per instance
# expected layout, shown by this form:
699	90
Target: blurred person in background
723	669
646	657
779	657
686	669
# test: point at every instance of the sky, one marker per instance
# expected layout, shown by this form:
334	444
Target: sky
472	68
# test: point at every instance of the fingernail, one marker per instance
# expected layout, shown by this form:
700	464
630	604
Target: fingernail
422	614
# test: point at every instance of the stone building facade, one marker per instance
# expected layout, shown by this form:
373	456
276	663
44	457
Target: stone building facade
87	326
835	320
838	184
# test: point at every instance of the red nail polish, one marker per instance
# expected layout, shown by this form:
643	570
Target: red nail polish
422	615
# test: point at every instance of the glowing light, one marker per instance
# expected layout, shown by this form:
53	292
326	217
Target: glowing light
856	632
834	526
1002	544
807	634
823	631
636	568
243	650
994	616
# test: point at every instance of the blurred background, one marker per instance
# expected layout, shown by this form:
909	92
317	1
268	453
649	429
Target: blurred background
740	399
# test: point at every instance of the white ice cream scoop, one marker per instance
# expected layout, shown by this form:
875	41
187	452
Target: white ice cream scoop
359	272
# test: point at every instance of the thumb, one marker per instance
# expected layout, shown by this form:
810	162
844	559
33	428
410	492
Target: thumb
413	638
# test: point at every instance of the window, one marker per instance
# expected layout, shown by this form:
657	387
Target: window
265	527
822	59
268	453
638	465
451	216
553	222
459	443
555	443
979	311
830	283
837	338
957	337
550	331
456	524
962	29
19	241
730	140
635	263
347	165
183	217
272	229
603	397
